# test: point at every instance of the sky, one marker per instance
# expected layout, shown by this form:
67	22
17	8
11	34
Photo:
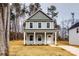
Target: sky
64	9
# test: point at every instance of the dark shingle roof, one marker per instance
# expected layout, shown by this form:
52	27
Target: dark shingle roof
74	26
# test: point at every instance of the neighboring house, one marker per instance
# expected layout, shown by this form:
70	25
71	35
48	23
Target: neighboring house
74	34
40	29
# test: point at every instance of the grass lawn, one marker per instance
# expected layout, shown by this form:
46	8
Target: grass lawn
62	42
77	46
18	49
66	43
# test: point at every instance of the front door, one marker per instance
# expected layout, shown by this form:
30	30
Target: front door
49	39
31	39
39	39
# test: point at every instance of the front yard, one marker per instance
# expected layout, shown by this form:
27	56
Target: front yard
18	49
62	42
77	46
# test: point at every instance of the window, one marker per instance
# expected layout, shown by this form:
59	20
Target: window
48	25
31	25
39	25
77	30
39	38
49	36
31	38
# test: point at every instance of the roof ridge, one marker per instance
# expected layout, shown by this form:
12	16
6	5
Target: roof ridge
74	25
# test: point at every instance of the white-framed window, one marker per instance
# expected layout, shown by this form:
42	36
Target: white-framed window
31	25
39	25
77	30
48	25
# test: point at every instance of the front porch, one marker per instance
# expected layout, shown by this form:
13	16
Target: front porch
40	38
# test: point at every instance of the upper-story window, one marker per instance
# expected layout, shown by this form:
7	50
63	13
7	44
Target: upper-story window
48	25
31	25
39	25
77	30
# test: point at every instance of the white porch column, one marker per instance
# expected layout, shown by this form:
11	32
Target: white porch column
55	38
34	37
45	37
52	38
24	38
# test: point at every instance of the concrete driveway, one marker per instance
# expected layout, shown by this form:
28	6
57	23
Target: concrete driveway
70	49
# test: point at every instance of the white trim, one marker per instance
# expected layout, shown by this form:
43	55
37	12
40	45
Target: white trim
49	25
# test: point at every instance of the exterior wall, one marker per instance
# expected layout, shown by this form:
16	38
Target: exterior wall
43	25
73	37
51	41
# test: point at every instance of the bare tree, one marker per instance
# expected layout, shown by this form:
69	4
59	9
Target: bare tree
73	20
34	7
66	24
15	13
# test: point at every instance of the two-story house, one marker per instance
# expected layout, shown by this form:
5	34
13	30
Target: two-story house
39	29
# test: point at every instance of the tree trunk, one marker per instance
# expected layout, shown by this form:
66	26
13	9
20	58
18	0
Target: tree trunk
4	30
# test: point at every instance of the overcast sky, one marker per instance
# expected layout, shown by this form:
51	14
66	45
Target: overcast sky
64	10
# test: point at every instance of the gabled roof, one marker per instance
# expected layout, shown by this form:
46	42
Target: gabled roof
42	13
74	26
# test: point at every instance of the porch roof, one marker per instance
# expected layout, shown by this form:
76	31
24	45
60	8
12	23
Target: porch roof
40	30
